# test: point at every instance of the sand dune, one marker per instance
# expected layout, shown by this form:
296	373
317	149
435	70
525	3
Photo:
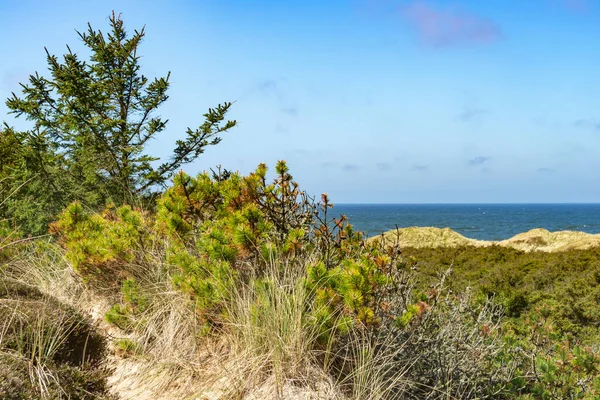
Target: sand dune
533	240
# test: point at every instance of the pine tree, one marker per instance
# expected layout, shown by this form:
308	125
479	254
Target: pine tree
92	120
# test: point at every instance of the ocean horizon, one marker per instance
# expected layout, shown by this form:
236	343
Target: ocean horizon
482	221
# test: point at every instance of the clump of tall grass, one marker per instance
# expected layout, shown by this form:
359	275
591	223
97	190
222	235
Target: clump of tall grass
268	324
266	336
373	370
47	349
35	339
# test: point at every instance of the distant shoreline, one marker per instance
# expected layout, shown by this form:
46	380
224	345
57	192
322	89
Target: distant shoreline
489	222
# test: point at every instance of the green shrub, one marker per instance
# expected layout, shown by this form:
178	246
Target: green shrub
564	285
551	304
230	230
216	232
104	248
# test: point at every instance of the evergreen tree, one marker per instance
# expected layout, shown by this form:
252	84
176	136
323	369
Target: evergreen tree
92	120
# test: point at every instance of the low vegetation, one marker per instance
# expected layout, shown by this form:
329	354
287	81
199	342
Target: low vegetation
550	302
265	278
561	288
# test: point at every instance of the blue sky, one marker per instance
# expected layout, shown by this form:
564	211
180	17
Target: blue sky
393	101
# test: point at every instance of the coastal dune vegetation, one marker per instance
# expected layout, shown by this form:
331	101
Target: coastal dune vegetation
126	278
534	240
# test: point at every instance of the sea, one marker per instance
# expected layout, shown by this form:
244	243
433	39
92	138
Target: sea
475	221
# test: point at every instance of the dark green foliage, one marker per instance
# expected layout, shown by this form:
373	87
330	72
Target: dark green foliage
566	372
31	181
552	301
564	286
91	122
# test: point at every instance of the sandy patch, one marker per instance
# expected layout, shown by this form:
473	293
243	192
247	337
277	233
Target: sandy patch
533	240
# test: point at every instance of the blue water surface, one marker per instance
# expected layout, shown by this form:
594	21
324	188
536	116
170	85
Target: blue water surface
476	221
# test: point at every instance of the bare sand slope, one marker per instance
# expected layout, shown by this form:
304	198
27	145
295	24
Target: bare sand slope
534	240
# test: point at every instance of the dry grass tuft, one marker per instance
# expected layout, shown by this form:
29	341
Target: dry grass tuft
269	333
